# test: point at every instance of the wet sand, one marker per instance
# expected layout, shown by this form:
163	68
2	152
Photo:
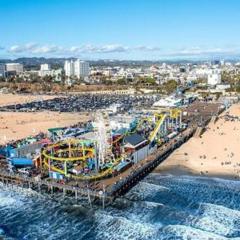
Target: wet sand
216	153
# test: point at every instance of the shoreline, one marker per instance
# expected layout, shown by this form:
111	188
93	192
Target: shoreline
214	154
177	172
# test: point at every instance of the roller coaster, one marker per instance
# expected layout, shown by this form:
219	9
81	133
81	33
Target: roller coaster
88	159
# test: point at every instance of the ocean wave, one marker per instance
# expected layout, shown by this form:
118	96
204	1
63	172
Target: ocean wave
163	207
144	190
8	201
187	233
199	189
218	219
120	228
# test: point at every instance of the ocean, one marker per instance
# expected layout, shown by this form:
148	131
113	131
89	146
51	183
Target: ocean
159	207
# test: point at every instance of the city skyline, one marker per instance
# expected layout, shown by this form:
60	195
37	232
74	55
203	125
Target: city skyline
139	30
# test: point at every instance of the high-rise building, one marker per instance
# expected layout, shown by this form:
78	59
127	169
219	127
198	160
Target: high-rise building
77	68
2	70
81	69
45	67
214	77
14	67
69	68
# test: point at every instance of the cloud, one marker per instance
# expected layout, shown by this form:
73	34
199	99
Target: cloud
99	49
147	48
112	48
22	48
33	48
203	51
47	49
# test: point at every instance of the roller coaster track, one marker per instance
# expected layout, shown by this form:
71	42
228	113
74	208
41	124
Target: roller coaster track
85	177
63	159
90	153
157	128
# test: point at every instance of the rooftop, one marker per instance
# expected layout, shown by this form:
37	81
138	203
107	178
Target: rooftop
134	139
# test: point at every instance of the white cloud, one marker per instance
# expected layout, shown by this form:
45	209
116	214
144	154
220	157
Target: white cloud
204	51
32	48
147	48
46	49
22	48
98	49
112	48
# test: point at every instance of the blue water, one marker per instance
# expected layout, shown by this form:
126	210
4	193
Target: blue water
160	207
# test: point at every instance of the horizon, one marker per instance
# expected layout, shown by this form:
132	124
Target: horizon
105	30
165	60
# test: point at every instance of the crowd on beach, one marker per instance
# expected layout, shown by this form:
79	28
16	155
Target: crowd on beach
232	118
219	130
213	153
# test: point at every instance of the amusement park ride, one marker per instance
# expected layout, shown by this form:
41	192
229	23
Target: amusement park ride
87	158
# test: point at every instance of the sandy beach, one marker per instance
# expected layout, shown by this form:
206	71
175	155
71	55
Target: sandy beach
15	126
215	153
9	99
18	125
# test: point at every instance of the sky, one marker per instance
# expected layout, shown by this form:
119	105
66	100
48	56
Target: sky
120	29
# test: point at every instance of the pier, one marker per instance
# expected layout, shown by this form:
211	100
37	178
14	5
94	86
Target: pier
108	189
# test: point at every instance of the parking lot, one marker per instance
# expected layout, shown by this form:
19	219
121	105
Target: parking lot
84	103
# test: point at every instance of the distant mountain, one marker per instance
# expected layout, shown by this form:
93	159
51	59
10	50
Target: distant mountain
34	62
31	61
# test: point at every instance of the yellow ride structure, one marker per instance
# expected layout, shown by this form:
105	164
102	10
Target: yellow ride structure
57	156
81	154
